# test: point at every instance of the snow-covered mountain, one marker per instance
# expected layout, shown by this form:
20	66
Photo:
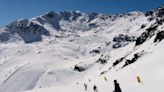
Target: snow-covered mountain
62	51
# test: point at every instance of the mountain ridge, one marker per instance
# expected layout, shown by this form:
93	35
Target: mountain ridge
80	21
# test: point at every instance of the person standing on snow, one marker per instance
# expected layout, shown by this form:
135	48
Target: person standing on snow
95	88
85	86
117	87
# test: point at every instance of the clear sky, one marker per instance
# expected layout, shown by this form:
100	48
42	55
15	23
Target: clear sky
11	10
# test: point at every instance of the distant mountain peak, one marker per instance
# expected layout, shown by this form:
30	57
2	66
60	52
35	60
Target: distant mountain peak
70	21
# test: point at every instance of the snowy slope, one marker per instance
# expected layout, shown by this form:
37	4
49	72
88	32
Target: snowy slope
151	76
62	51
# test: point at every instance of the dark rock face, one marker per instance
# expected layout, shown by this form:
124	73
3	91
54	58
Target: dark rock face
28	31
4	37
101	61
145	35
149	13
118	61
160	12
122	40
143	26
50	14
159	37
95	51
142	38
93	25
135	58
78	68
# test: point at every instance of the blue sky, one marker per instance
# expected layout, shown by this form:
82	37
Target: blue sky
15	9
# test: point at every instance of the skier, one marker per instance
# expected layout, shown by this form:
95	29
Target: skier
85	86
117	87
95	88
105	79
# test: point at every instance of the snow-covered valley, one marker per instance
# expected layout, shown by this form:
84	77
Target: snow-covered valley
60	52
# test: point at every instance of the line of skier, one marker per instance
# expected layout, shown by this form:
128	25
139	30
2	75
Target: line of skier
95	89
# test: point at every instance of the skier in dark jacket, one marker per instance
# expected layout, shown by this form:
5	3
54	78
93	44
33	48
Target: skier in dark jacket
95	88
117	87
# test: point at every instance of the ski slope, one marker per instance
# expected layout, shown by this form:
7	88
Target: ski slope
62	51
